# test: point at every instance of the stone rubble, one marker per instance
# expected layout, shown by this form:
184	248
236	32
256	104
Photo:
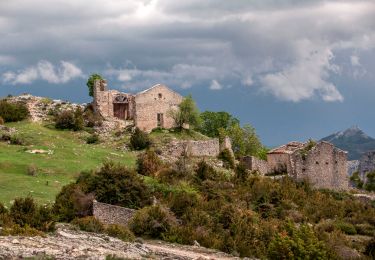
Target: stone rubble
68	243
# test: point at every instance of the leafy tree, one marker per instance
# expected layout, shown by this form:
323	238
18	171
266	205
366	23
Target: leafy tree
213	121
187	113
90	83
245	141
356	180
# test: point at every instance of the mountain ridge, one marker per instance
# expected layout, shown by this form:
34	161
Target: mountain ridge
353	140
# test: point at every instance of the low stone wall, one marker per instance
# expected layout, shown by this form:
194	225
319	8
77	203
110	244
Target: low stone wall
111	214
209	148
255	164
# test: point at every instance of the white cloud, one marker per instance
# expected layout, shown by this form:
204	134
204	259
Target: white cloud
215	85
44	70
307	77
248	81
354	60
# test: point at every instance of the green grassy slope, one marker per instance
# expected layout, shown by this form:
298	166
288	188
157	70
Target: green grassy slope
71	155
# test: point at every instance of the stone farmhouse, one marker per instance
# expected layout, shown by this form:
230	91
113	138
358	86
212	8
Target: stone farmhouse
146	110
322	164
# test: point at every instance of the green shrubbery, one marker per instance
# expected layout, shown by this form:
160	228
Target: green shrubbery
69	119
227	157
25	217
119	231
89	224
148	163
13	112
154	221
139	140
93	139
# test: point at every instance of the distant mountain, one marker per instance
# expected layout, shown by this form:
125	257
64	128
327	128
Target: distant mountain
353	140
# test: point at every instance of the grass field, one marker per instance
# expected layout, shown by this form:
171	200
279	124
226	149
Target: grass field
71	155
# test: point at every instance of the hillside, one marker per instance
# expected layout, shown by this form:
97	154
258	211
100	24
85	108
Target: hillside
68	156
353	140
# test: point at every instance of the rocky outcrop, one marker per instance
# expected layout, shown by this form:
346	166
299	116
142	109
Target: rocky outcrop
40	107
67	243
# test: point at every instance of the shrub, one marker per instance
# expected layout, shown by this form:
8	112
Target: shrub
25	212
297	243
240	172
13	112
92	118
116	184
65	120
227	157
71	202
92	139
154	221
17	230
356	180
370	248
346	228
1	120
204	171
119	231
139	140
148	163
182	202
16	140
68	119
169	175
89	224
32	170
3	209
370	183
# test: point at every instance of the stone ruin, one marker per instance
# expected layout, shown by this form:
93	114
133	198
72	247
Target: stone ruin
322	164
146	110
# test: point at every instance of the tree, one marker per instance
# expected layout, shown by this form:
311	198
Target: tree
370	183
90	83
213	121
187	113
245	141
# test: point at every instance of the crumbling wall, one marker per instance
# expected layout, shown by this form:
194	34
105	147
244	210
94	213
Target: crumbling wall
209	148
324	166
366	164
111	214
156	100
255	164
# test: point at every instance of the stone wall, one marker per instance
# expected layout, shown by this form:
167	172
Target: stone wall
366	164
255	164
111	214
157	100
324	166
209	148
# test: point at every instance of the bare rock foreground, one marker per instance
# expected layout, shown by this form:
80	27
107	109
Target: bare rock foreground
68	243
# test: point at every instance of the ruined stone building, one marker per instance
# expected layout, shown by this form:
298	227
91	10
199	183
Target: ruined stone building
366	165
146	110
322	164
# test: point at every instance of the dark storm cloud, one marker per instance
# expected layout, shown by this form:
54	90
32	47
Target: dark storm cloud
288	49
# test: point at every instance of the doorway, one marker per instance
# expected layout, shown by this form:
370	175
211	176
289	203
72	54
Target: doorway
160	120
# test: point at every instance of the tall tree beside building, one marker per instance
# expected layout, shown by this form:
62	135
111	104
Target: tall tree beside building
187	113
90	83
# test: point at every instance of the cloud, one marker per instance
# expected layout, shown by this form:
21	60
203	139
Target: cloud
354	60
306	77
187	45
215	85
46	71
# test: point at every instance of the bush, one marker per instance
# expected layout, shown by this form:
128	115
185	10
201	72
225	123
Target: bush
148	163
24	212
204	171
297	243
17	230
92	118
116	184
154	222
1	121
346	228
120	232
72	202
92	139
139	140
227	157
89	224
13	112
16	140
32	170
68	119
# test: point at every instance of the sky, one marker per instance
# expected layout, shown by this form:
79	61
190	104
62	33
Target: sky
293	69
